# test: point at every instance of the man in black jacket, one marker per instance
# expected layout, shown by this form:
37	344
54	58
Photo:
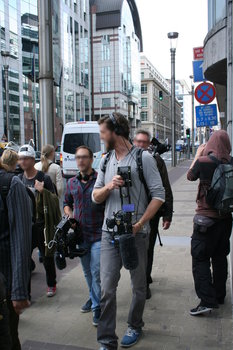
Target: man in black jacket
142	140
36	181
15	252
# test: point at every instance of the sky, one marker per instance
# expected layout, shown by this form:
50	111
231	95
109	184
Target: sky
158	17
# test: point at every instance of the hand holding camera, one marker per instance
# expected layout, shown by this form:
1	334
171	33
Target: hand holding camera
116	183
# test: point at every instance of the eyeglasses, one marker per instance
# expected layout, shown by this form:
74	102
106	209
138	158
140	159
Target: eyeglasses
82	157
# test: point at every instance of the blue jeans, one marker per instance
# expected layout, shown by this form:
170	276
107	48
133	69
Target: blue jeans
91	268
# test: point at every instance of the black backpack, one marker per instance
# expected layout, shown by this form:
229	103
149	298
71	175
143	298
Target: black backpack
5	184
220	194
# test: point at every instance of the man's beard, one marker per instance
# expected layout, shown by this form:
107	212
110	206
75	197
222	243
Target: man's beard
110	145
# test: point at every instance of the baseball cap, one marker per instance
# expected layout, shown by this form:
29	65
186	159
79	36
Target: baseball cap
27	151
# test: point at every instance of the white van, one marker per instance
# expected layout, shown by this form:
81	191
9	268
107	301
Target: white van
77	134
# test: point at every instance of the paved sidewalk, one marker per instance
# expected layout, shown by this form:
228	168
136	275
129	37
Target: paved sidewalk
58	324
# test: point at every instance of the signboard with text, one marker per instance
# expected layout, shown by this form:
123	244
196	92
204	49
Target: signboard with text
206	115
198	53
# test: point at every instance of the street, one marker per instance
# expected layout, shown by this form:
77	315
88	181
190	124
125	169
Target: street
57	323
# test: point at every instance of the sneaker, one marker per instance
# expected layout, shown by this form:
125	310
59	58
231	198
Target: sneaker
86	307
96	317
131	338
103	348
200	310
148	293
51	291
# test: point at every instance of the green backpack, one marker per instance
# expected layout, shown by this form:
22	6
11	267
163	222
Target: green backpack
220	194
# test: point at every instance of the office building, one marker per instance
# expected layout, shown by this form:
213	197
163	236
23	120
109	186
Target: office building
116	42
156	103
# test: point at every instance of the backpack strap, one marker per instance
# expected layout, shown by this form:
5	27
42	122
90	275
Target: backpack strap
108	155
140	169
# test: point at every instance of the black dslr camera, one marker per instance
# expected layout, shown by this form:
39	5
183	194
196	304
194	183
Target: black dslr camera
122	221
67	241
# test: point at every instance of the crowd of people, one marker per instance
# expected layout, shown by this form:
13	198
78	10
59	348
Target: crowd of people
117	209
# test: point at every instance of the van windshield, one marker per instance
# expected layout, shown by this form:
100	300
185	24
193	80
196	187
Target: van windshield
72	141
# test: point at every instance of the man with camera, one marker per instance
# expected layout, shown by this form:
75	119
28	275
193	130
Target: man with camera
114	130
142	140
78	205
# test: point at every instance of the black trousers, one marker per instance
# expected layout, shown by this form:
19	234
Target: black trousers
154	229
48	262
211	249
9	321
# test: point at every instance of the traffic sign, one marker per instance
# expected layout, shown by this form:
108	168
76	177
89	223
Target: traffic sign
206	115
198	71
198	53
205	93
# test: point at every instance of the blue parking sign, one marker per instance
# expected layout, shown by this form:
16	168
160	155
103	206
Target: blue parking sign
198	74
206	115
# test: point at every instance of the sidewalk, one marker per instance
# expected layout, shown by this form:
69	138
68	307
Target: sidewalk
168	325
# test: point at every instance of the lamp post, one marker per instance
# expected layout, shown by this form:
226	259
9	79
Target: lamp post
173	36
193	127
5	57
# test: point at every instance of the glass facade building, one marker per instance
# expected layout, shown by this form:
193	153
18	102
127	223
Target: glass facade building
71	67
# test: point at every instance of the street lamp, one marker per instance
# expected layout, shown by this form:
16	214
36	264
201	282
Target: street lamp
5	58
193	127
173	36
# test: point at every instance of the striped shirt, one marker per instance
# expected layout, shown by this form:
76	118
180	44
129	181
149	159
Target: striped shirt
89	215
15	241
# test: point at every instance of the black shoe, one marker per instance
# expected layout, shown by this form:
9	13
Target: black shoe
200	310
148	293
96	317
86	307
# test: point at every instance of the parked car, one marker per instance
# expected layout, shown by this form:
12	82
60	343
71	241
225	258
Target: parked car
77	134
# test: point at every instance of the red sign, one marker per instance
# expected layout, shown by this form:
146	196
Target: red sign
198	53
205	93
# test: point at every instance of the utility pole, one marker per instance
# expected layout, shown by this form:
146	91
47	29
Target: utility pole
46	72
193	127
173	36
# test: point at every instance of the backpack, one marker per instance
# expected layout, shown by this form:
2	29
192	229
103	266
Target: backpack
5	184
220	194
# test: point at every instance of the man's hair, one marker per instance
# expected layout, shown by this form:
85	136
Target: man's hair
85	147
121	121
144	132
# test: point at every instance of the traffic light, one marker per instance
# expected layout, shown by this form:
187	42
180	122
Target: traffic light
161	95
188	133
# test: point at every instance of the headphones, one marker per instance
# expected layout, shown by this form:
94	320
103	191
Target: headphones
85	177
117	128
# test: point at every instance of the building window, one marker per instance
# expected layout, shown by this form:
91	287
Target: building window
142	75
106	102
106	79
144	88
105	48
217	10
144	116
144	102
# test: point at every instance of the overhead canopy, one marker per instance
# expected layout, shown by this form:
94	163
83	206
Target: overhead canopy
108	15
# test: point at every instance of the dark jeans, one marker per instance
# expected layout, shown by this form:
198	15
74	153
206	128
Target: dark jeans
154	229
211	248
48	262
